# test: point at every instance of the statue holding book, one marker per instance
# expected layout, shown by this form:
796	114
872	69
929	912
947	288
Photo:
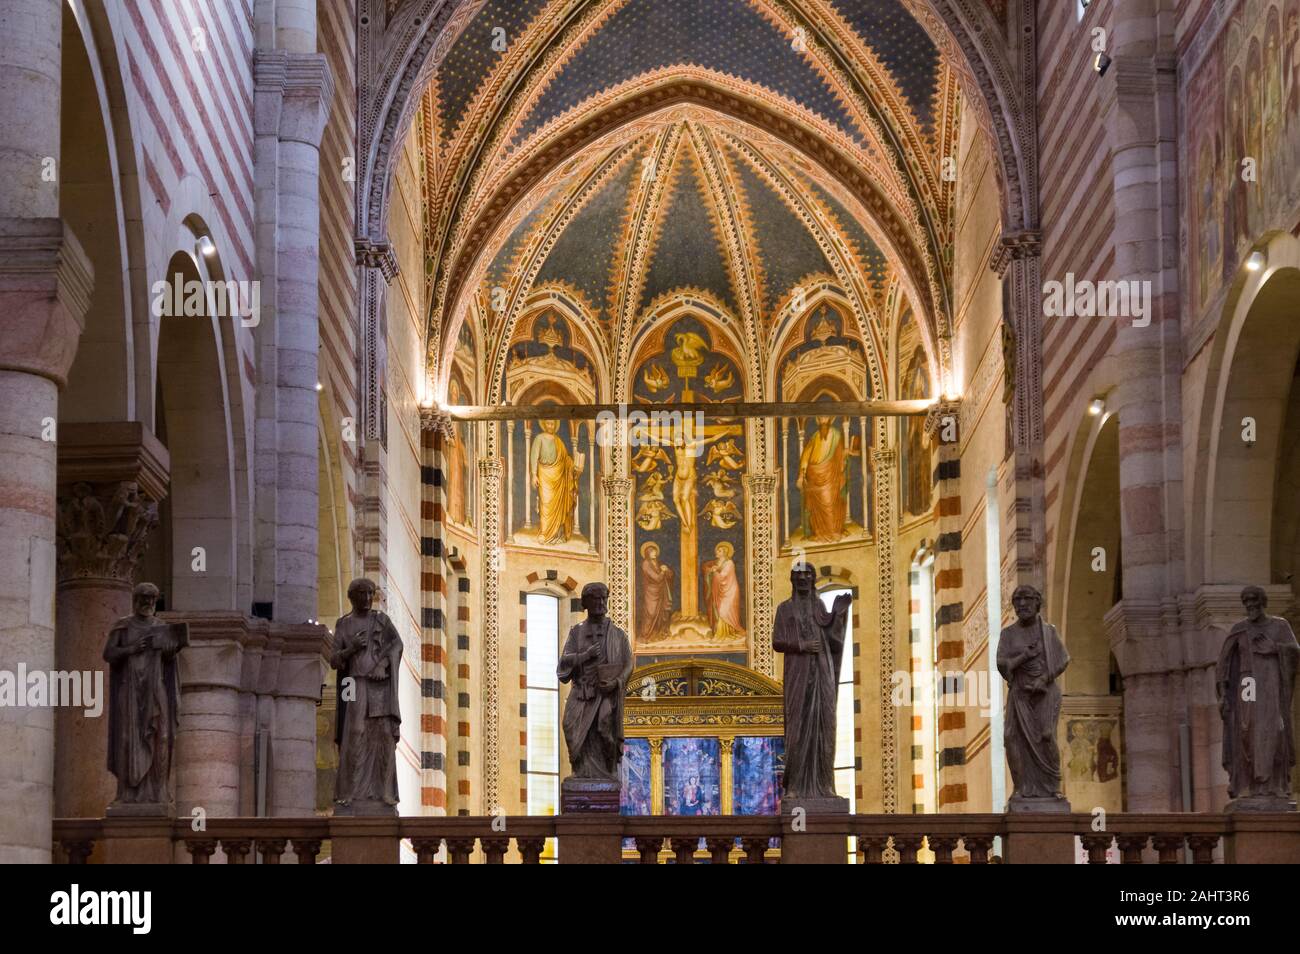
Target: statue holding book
596	660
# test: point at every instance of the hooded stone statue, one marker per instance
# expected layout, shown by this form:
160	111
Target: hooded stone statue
812	639
1255	679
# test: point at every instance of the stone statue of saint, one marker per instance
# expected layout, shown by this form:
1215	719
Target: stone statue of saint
1255	679
368	657
812	638
1031	657
143	705
597	660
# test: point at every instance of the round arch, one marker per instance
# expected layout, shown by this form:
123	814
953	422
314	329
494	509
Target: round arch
1249	382
193	420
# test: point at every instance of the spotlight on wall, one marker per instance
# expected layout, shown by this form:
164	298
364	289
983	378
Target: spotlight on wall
1256	262
1101	63
319	386
1096	407
207	247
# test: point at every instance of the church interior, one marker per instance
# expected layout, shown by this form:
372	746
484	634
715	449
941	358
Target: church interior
484	301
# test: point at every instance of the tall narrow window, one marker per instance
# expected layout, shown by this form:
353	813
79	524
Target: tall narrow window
845	719
993	601
924	698
542	635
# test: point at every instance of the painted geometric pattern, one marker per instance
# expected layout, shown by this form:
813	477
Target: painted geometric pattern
903	47
473	56
729	37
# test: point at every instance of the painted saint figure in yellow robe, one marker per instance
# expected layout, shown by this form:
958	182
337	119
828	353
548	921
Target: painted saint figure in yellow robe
823	482
555	476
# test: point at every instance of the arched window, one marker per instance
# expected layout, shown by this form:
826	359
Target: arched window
845	718
925	727
542	645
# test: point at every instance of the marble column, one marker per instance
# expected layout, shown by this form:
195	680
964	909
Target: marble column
292	90
209	755
377	267
302	673
45	285
1141	120
111	479
1018	262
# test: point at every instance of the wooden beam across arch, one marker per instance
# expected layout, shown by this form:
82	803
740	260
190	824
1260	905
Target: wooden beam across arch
655	413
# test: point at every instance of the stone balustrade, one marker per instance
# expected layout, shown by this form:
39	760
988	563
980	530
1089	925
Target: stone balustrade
904	839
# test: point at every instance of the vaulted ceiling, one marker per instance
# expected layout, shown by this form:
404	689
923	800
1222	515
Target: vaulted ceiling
630	150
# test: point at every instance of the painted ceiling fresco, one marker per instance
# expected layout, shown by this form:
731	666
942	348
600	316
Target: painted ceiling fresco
719	225
660	205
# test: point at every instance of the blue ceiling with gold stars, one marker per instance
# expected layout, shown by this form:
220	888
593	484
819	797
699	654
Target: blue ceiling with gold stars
683	230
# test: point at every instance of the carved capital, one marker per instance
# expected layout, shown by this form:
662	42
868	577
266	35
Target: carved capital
940	412
377	255
1024	243
616	487
103	530
437	421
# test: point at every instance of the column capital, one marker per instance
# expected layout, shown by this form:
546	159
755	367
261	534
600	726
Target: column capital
934	418
45	288
1016	244
377	255
293	92
616	486
438	421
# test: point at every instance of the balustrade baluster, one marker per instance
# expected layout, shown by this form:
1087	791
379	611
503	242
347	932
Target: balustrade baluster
978	847
460	850
942	846
755	850
494	850
648	847
236	850
1096	846
306	849
1130	848
907	846
1202	848
271	849
530	849
426	849
78	851
201	849
1168	846
684	849
720	850
872	848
